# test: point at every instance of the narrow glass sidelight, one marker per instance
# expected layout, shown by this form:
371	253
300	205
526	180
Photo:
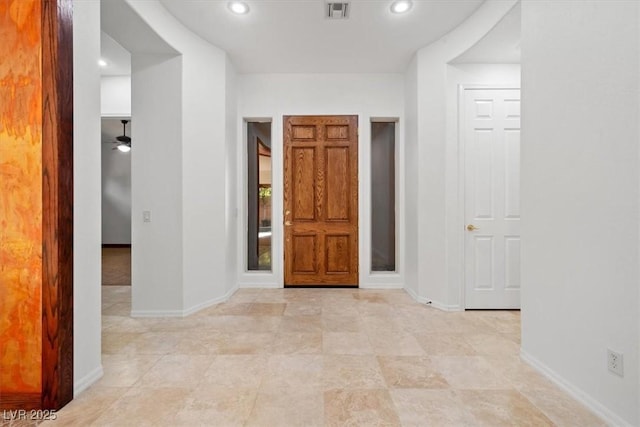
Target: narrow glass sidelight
383	196
259	173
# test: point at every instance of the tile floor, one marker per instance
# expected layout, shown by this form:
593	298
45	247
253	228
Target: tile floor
312	357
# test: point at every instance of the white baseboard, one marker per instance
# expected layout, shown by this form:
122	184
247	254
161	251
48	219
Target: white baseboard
596	407
186	312
87	381
211	302
381	286
432	303
157	313
260	286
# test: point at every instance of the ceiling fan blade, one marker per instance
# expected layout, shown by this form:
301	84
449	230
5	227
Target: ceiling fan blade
124	138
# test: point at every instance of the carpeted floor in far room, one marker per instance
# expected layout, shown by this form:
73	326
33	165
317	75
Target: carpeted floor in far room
116	266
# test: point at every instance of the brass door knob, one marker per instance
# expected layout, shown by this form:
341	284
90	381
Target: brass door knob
288	223
472	227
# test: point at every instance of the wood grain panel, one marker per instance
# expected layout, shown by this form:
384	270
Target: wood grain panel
303	193
20	198
303	133
337	132
337	193
304	254
332	186
337	253
57	203
26	401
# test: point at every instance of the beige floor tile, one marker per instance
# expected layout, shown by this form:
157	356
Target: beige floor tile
303	309
115	342
145	407
395	344
176	371
301	324
469	372
212	405
153	343
346	343
86	408
244	343
237	370
352	372
267	309
292	371
287	357
561	408
341	323
518	372
411	372
422	408
277	407
359	408
117	309
445	345
230	307
125	370
502	408
297	343
493	344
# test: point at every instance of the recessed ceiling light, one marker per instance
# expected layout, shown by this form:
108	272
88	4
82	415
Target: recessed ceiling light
102	62
238	7
400	6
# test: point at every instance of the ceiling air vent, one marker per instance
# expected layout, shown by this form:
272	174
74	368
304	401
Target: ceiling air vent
337	10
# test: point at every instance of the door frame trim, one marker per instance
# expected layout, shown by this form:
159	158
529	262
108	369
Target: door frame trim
274	279
461	201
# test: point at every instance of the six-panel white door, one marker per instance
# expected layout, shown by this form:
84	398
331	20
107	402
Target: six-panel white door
491	137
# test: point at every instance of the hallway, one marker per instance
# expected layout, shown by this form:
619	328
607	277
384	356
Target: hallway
294	357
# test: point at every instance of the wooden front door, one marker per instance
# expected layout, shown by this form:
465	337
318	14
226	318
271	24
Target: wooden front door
321	200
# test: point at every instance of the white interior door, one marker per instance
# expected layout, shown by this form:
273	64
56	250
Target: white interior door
491	131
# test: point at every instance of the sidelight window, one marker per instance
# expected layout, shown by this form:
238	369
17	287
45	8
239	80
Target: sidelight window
383	196
259	178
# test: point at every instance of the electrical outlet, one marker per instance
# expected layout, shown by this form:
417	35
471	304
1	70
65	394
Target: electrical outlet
146	216
615	362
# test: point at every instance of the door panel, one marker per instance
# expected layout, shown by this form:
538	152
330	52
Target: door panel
492	198
321	200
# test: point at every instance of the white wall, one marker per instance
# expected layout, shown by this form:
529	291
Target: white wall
87	367
231	172
431	152
410	173
276	95
156	174
115	96
580	206
199	131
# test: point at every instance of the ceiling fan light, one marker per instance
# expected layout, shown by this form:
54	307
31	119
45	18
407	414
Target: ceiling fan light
238	7
401	6
124	148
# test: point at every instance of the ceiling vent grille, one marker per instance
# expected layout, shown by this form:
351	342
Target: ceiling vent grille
337	10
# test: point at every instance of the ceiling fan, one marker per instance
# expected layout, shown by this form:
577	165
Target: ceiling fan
123	142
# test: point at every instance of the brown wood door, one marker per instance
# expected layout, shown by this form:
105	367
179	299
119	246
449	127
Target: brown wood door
321	200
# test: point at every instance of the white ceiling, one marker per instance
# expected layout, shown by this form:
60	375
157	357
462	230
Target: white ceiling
292	36
501	45
118	58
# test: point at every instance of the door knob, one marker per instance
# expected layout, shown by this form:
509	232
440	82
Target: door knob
472	227
288	223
